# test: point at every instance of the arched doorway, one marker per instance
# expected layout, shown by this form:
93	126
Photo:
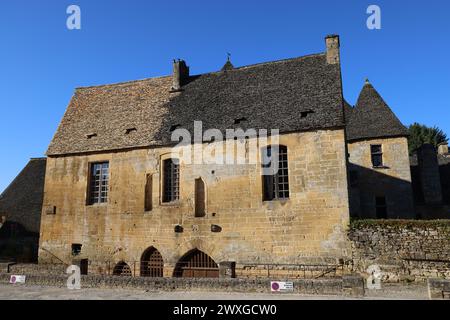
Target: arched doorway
152	263
196	264
122	269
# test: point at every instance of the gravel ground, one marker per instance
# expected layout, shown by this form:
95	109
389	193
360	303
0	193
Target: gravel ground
21	292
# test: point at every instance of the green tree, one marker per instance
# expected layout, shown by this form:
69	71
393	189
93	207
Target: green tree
420	134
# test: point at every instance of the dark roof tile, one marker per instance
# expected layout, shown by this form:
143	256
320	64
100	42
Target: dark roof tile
271	95
372	117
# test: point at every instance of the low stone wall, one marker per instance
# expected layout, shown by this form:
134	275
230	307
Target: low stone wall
36	269
404	250
347	286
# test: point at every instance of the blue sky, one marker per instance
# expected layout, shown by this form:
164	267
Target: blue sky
41	61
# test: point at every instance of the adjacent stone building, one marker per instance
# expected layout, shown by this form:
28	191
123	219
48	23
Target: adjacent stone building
379	171
115	195
20	214
118	199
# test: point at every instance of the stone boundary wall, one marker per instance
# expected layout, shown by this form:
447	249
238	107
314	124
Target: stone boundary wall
344	286
405	250
24	268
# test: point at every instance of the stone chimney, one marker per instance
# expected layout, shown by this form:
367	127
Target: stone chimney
443	149
429	174
180	75
333	49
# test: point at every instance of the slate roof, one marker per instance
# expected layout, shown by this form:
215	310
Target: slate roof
290	95
371	117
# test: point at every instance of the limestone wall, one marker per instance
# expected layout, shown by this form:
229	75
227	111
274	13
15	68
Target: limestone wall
310	226
393	180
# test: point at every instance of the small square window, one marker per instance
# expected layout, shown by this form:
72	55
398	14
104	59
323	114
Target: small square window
76	249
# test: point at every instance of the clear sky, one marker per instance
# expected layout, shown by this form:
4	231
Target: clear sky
41	61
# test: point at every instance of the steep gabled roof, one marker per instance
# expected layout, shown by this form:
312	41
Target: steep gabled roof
290	95
372	117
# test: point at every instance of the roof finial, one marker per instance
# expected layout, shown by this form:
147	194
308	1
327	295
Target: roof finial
228	65
367	81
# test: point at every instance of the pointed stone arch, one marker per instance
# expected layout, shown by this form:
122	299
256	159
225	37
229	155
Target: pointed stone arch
196	264
152	263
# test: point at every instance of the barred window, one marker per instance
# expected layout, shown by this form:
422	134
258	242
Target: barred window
377	155
98	183
171	182
275	174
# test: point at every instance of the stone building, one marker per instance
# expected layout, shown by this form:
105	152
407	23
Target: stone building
114	193
430	169
20	214
379	170
117	198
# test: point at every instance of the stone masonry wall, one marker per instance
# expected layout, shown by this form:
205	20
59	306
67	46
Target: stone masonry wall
404	250
310	226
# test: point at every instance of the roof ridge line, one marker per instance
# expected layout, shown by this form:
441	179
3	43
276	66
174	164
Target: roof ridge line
202	74
121	83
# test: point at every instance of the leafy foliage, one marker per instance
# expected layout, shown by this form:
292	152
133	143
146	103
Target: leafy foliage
420	134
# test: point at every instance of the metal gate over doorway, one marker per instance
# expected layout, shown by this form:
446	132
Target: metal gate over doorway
196	264
152	263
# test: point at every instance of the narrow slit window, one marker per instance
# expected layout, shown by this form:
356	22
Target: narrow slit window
148	193
98	183
200	198
377	155
275	174
171	182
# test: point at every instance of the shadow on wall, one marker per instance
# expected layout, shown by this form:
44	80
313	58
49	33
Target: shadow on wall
445	182
20	213
376	195
17	244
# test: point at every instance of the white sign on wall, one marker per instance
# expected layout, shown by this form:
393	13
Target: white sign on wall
281	286
17	279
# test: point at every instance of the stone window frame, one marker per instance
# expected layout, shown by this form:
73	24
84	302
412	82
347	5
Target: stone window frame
163	159
90	200
275	180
